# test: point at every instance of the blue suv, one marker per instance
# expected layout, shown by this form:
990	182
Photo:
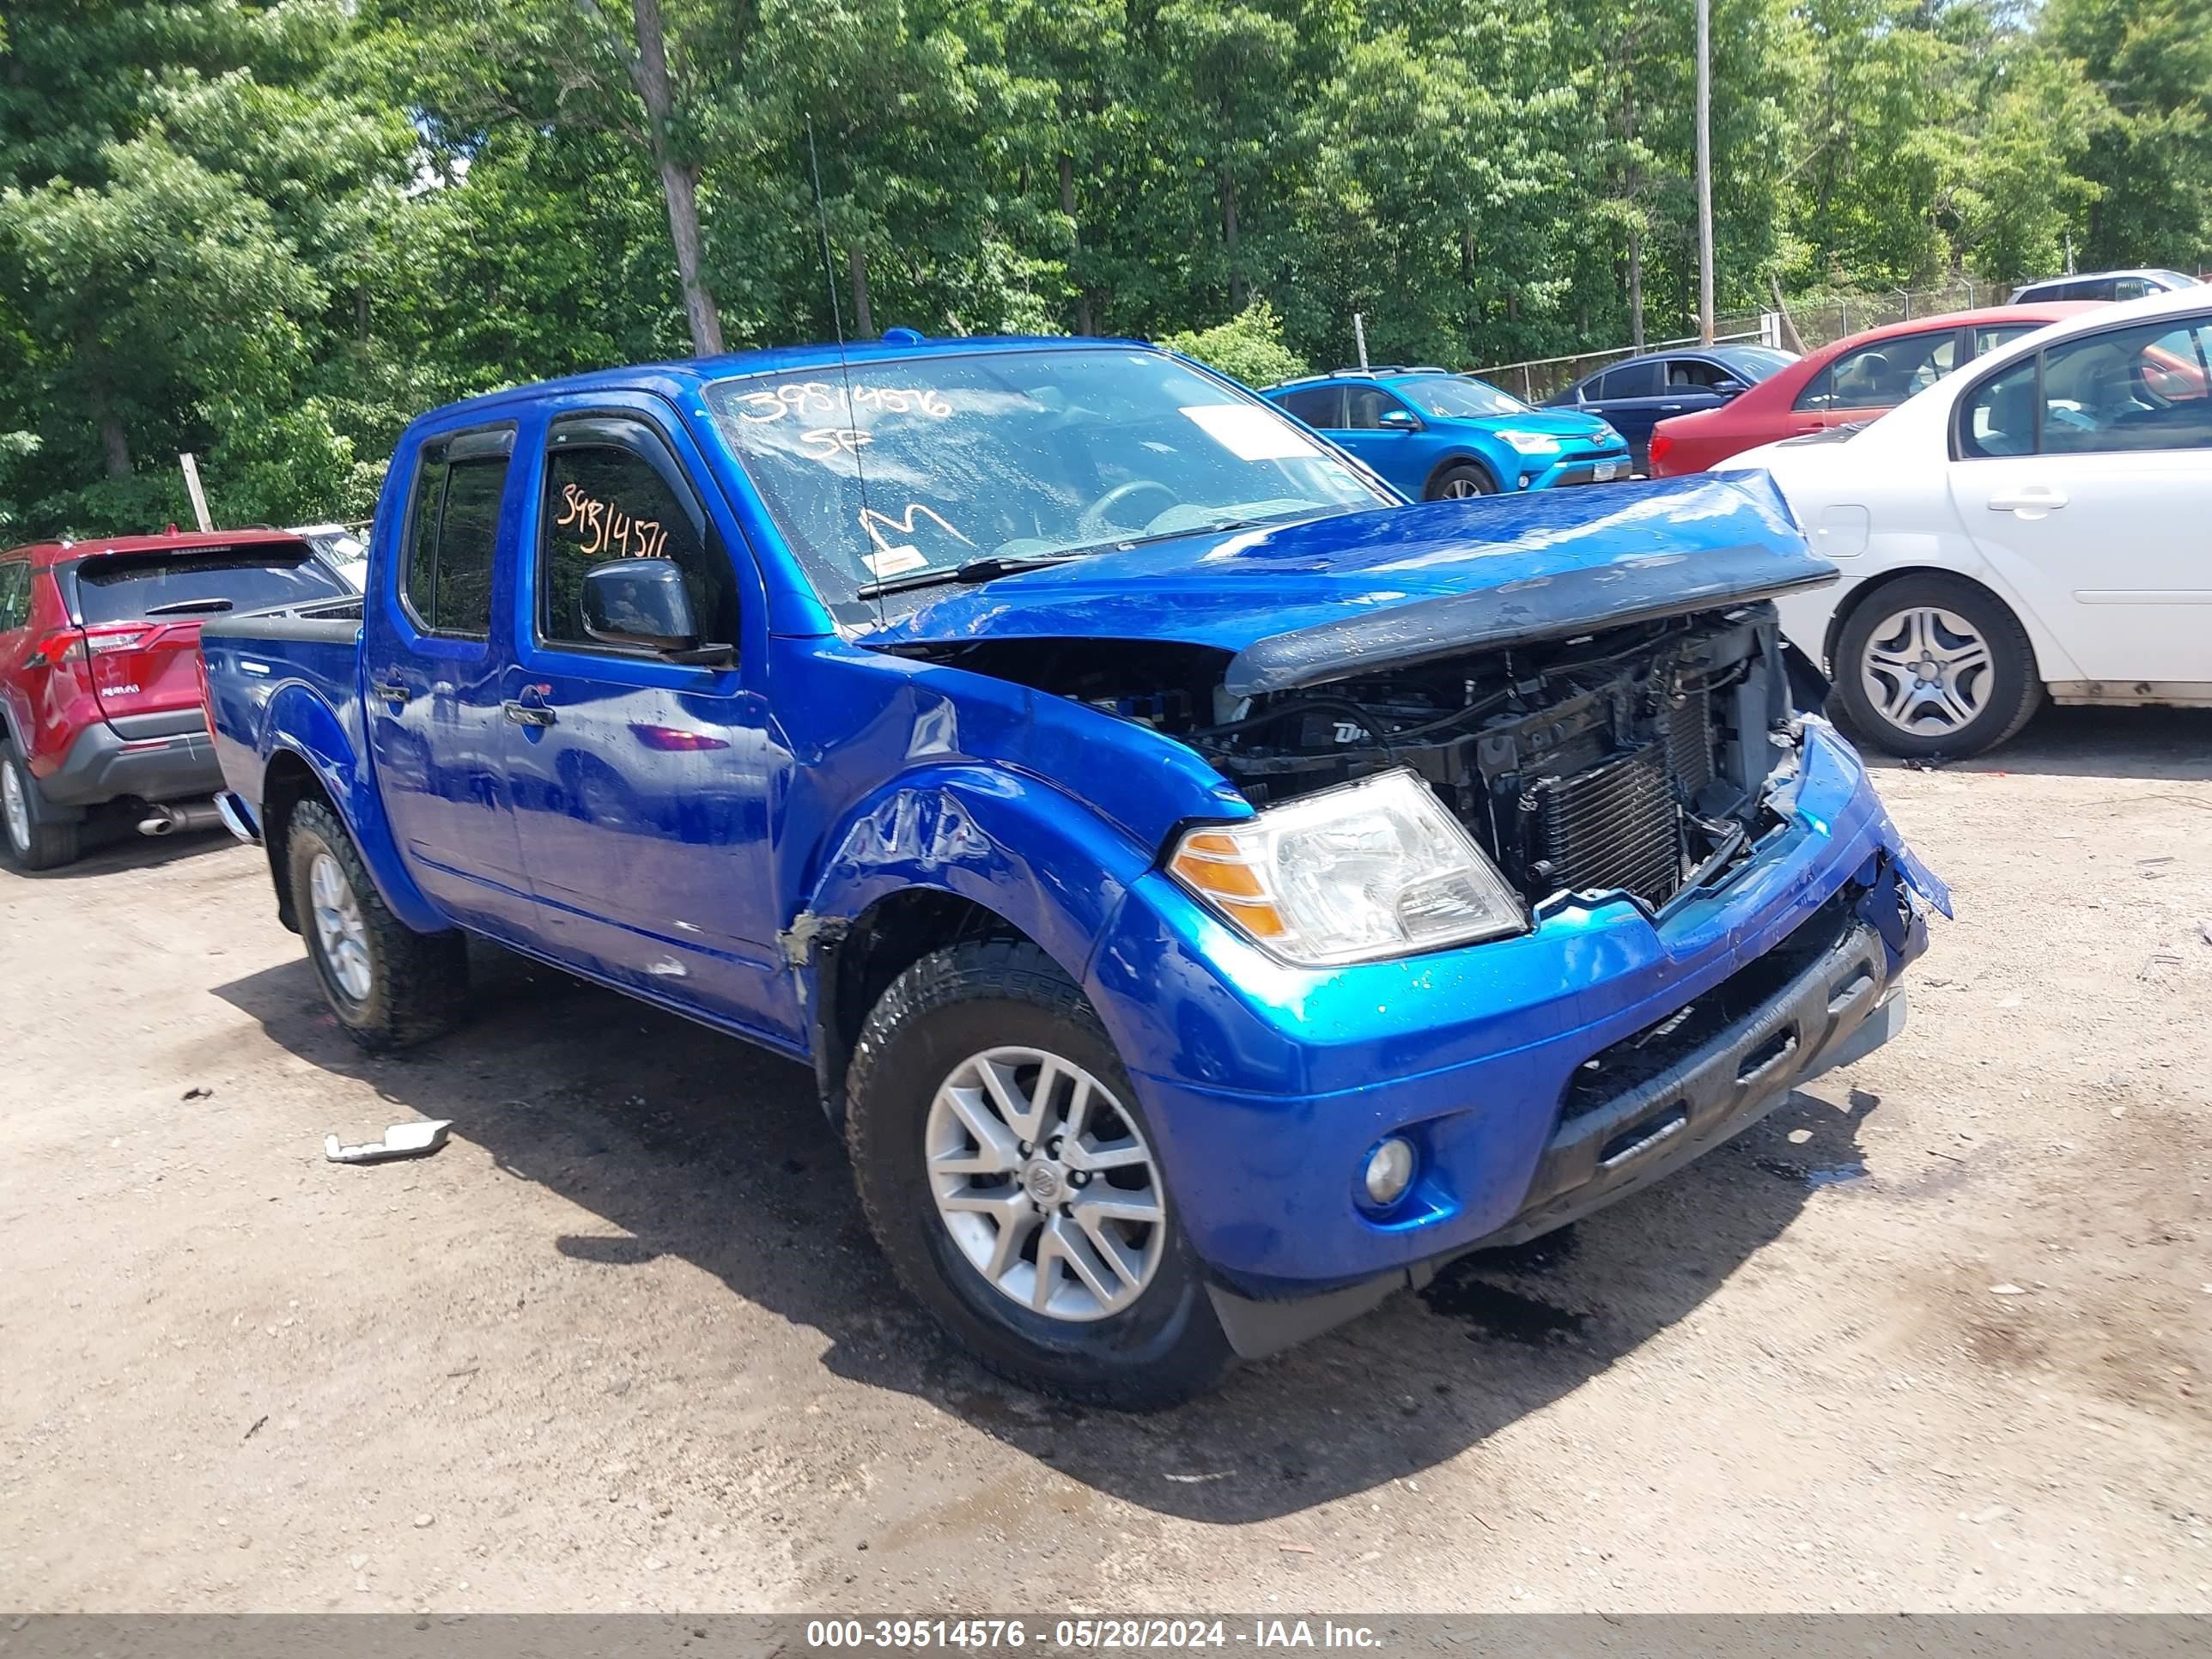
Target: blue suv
1434	435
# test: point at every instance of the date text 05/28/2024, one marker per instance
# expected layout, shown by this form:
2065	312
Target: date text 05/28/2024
1260	1635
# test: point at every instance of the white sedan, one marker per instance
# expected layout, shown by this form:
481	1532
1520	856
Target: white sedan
2038	525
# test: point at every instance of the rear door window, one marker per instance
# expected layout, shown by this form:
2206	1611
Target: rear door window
15	595
453	531
1630	381
134	586
1316	405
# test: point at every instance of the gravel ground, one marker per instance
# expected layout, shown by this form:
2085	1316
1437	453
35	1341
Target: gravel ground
1934	1335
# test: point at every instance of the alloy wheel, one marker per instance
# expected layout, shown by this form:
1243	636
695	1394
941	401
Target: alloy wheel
1045	1184
1926	671
15	807
339	928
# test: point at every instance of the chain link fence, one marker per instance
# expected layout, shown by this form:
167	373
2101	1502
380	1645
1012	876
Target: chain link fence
1806	324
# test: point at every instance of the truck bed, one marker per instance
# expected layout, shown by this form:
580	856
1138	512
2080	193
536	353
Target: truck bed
249	654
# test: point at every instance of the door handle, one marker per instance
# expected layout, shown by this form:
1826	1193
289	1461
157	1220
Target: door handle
390	690
2036	498
527	714
1668	409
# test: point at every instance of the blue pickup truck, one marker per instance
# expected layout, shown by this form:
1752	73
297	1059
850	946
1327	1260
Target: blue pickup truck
1212	891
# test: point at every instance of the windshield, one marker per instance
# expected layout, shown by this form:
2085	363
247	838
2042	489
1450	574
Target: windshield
1447	395
1754	363
925	464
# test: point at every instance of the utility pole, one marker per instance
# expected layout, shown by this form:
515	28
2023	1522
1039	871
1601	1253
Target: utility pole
1705	171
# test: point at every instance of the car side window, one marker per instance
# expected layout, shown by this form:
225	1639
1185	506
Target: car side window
1316	405
452	531
2130	288
1367	405
614	489
1990	335
1884	374
15	595
1694	375
2130	389
1630	381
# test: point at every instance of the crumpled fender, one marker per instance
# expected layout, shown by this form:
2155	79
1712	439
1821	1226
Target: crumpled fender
1008	841
298	720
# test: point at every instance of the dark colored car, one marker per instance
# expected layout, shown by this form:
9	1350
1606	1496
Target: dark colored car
2107	285
1851	381
100	696
1637	393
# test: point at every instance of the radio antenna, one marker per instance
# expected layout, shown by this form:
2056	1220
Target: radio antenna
837	323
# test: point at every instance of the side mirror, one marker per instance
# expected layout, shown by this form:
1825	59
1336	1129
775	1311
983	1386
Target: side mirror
1398	419
639	602
1729	388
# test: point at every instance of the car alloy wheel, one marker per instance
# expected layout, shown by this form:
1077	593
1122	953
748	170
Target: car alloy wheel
339	929
15	807
1045	1184
1460	490
1926	671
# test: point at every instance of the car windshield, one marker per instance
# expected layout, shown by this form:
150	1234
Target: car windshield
1447	395
915	467
1755	363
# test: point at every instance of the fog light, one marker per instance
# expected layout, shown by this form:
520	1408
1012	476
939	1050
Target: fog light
1389	1170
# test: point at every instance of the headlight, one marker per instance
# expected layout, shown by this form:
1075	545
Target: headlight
1374	869
1532	443
1608	432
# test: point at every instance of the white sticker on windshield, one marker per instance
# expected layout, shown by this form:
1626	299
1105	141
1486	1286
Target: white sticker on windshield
893	561
1251	433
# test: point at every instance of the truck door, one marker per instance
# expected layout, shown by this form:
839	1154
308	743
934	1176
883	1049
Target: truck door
642	784
433	674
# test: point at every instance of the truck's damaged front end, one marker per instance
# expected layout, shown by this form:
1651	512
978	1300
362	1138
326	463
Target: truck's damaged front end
1546	887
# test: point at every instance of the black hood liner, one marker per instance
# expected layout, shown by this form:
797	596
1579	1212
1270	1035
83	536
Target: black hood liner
1558	606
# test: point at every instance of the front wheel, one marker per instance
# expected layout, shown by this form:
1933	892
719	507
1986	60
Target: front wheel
1459	483
1933	665
389	985
1008	1175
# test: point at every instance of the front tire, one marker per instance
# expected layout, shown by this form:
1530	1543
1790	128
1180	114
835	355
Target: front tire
1010	1179
32	835
390	985
1462	483
1933	665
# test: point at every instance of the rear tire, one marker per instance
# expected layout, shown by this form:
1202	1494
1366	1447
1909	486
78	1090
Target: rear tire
1935	665
33	835
390	985
1461	482
1152	1340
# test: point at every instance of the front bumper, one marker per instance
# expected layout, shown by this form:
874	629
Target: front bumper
1264	1087
105	764
1605	467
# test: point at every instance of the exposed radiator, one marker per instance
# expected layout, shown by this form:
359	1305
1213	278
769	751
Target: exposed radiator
1690	743
1616	825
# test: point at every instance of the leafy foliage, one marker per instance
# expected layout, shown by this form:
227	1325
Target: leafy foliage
272	231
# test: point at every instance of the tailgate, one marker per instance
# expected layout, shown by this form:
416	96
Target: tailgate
142	613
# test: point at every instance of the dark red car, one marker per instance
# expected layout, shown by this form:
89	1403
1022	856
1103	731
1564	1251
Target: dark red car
99	692
1855	378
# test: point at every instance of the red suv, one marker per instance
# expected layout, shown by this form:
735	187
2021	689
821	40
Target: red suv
99	683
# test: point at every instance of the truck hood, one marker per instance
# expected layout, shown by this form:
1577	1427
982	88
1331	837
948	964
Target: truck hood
1316	600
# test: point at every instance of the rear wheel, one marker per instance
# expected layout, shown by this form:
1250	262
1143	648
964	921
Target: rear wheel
32	835
1456	484
1935	665
1008	1175
389	985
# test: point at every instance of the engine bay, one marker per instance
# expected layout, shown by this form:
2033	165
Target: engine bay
1635	758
